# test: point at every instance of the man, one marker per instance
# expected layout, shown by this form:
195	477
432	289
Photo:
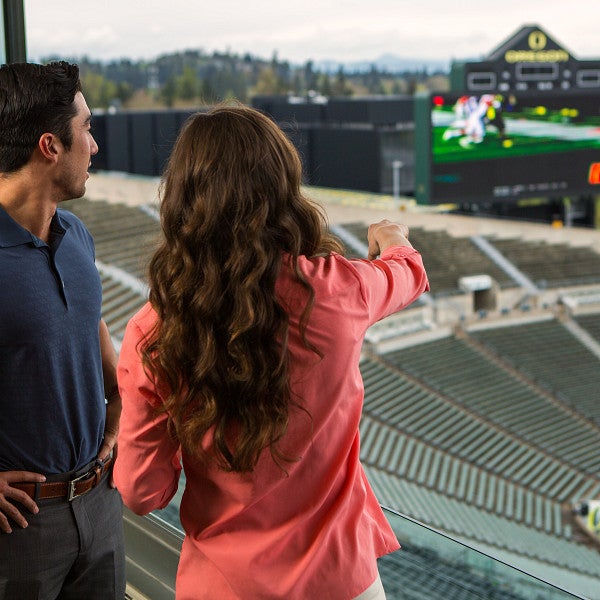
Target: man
60	516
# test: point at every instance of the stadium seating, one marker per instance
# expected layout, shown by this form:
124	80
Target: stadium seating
119	303
551	265
483	387
437	420
591	323
554	358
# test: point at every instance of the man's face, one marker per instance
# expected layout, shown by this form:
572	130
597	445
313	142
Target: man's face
77	160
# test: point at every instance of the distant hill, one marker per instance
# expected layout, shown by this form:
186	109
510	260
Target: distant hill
389	63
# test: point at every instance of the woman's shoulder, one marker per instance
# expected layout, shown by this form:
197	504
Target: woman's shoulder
328	276
330	270
144	318
329	265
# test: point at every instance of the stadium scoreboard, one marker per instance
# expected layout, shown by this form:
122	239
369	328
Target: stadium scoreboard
523	123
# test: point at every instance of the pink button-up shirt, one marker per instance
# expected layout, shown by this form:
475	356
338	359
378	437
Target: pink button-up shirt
316	530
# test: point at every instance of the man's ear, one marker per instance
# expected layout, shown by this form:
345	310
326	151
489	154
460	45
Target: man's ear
49	145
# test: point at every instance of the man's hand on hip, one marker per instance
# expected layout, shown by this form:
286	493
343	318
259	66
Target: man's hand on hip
8	493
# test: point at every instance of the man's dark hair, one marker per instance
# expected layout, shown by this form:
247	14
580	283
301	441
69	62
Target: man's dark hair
34	99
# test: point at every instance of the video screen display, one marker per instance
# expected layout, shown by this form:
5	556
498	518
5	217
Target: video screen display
494	147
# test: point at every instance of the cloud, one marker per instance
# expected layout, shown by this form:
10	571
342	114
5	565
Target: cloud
313	29
103	35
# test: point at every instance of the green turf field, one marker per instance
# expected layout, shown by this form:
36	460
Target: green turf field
516	143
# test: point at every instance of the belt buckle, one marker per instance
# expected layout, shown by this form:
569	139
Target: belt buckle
73	482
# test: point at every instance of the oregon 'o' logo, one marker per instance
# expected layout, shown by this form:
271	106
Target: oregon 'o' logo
537	40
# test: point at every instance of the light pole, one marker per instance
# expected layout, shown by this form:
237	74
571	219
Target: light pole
396	166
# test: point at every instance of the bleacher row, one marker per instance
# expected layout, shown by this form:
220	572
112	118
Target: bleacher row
551	265
489	435
461	373
591	323
416	462
550	354
438	421
119	303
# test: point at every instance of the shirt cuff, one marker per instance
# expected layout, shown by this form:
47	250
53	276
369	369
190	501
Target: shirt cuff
398	252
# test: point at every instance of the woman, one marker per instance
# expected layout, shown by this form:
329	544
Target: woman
245	364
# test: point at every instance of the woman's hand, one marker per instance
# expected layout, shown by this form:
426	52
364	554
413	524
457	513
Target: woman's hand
384	234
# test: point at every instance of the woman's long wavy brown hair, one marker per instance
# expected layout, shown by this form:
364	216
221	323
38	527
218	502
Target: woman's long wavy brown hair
231	210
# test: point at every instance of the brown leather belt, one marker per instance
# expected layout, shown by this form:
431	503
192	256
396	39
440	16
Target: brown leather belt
66	489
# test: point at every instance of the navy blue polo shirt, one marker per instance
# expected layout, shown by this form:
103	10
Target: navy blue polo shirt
52	407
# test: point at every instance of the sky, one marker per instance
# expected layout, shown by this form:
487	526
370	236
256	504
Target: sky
340	30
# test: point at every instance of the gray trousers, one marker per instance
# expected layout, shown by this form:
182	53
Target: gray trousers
70	550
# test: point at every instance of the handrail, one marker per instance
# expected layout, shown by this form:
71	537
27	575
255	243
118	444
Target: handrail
448	548
446	563
152	548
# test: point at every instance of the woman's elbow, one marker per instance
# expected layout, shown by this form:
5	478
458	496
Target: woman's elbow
142	503
137	495
138	507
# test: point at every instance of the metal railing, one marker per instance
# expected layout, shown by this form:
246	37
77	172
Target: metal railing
430	566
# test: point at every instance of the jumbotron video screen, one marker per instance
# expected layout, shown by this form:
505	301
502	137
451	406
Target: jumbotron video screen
494	147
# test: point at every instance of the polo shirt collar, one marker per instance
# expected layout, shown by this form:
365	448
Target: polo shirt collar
12	234
58	224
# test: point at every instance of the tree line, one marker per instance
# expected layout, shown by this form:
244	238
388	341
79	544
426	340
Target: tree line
193	77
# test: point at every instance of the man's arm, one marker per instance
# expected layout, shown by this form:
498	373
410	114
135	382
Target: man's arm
111	390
